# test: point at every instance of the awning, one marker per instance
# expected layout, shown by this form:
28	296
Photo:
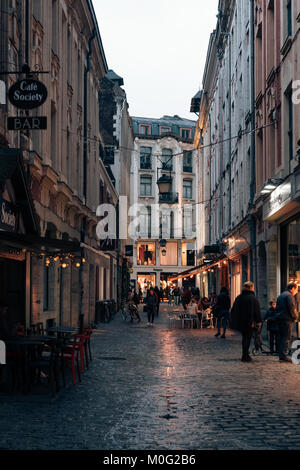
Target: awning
37	244
199	269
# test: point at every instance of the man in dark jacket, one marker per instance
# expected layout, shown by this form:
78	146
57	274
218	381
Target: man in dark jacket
245	316
286	315
151	302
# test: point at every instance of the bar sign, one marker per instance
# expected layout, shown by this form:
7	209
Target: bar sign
27	123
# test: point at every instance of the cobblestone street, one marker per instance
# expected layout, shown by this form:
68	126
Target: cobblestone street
161	389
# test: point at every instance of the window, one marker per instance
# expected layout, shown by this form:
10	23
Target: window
54	26
169	255
164	130
145	222
289	131
166	159
146	186
146	254
186	133
145	158
145	129
48	303
188	254
188	162
37	9
167	224
187	192
289	17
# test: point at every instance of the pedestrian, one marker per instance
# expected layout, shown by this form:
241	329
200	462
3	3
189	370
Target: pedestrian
245	316
151	302
176	295
286	315
186	298
157	293
272	327
222	307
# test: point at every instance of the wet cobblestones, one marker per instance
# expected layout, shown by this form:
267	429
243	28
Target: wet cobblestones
161	389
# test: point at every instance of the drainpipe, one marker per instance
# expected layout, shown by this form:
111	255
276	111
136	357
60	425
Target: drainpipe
252	220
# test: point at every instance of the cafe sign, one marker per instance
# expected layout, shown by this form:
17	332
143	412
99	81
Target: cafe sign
8	216
27	94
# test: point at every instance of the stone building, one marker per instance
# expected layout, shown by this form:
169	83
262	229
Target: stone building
165	241
224	148
278	146
53	180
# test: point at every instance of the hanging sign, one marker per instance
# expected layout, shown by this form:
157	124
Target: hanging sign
27	123
27	94
8	216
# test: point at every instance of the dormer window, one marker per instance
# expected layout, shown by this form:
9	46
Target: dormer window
186	133
145	129
165	129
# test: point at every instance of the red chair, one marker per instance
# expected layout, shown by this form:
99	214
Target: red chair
87	332
70	353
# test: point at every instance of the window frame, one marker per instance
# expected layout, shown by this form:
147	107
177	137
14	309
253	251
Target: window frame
149	177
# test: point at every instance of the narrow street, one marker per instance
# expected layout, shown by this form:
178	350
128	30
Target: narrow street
161	389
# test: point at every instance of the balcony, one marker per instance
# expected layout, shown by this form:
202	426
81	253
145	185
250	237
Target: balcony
168	198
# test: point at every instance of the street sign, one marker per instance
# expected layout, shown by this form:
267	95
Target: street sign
27	123
27	94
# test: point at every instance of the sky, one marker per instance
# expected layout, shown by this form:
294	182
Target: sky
159	47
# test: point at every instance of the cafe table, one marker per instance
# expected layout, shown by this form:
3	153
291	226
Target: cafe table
27	344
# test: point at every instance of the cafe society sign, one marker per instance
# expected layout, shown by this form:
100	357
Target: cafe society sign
8	216
27	94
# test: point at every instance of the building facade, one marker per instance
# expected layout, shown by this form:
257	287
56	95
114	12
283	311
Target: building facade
53	180
223	140
166	223
278	147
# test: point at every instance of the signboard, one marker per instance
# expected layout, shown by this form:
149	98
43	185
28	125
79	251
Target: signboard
27	94
8	216
279	198
27	123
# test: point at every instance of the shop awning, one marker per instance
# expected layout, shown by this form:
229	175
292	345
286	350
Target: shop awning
38	244
199	269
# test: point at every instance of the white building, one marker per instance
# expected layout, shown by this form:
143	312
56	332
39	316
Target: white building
165	232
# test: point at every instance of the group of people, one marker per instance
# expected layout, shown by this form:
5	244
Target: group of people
246	317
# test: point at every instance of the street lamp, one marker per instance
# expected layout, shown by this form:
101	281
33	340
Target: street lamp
164	184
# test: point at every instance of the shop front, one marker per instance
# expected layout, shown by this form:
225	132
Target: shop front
282	209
